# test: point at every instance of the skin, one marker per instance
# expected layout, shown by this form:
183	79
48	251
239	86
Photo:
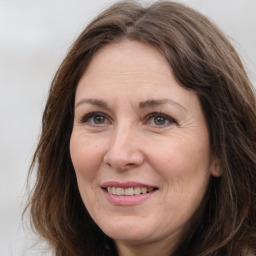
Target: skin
125	143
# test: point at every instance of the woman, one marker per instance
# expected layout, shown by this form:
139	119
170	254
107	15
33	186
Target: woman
148	140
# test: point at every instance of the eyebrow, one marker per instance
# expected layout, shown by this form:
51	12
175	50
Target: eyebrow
95	102
142	104
153	102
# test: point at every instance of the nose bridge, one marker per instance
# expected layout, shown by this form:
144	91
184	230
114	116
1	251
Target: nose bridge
122	134
124	149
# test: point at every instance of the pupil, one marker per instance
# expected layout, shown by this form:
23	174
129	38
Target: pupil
99	119
159	120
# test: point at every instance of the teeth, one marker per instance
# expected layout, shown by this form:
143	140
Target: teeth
150	190
128	191
137	191
120	191
144	190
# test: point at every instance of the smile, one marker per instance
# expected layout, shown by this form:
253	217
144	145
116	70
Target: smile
128	191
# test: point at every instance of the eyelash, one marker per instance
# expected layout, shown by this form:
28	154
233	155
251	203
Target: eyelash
87	117
166	118
161	115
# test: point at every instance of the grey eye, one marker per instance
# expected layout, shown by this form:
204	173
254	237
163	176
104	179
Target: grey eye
95	118
160	120
99	119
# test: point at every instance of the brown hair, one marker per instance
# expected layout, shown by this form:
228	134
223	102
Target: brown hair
203	61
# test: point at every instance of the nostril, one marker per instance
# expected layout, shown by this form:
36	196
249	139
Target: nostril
123	160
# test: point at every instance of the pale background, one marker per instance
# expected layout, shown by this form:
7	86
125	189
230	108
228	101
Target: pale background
34	37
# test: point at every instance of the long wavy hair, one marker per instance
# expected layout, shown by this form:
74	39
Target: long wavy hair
202	60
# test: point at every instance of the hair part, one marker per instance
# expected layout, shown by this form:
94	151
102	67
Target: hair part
202	60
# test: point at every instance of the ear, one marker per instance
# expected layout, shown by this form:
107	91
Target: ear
215	167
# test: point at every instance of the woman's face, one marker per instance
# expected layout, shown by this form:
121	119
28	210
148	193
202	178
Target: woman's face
139	146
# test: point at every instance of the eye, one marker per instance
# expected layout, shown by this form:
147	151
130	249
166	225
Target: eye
159	120
95	119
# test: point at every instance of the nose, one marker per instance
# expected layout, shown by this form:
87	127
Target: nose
124	151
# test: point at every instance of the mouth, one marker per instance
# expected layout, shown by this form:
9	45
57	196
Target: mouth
130	191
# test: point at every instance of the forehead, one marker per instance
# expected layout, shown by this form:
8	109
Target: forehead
131	69
126	56
126	61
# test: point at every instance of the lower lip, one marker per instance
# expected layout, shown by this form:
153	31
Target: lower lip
127	200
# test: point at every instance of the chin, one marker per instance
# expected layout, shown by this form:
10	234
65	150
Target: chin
128	231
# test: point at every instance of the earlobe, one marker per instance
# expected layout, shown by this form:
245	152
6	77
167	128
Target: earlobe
215	167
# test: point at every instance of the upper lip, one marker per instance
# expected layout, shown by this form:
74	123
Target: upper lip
125	184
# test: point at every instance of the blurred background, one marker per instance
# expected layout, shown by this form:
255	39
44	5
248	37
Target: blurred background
34	38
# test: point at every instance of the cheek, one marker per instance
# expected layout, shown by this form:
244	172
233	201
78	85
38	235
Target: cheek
185	172
184	165
86	157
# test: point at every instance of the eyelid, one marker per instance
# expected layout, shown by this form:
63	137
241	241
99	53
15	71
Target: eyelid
167	117
85	118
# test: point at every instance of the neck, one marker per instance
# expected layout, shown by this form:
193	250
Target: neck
162	248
